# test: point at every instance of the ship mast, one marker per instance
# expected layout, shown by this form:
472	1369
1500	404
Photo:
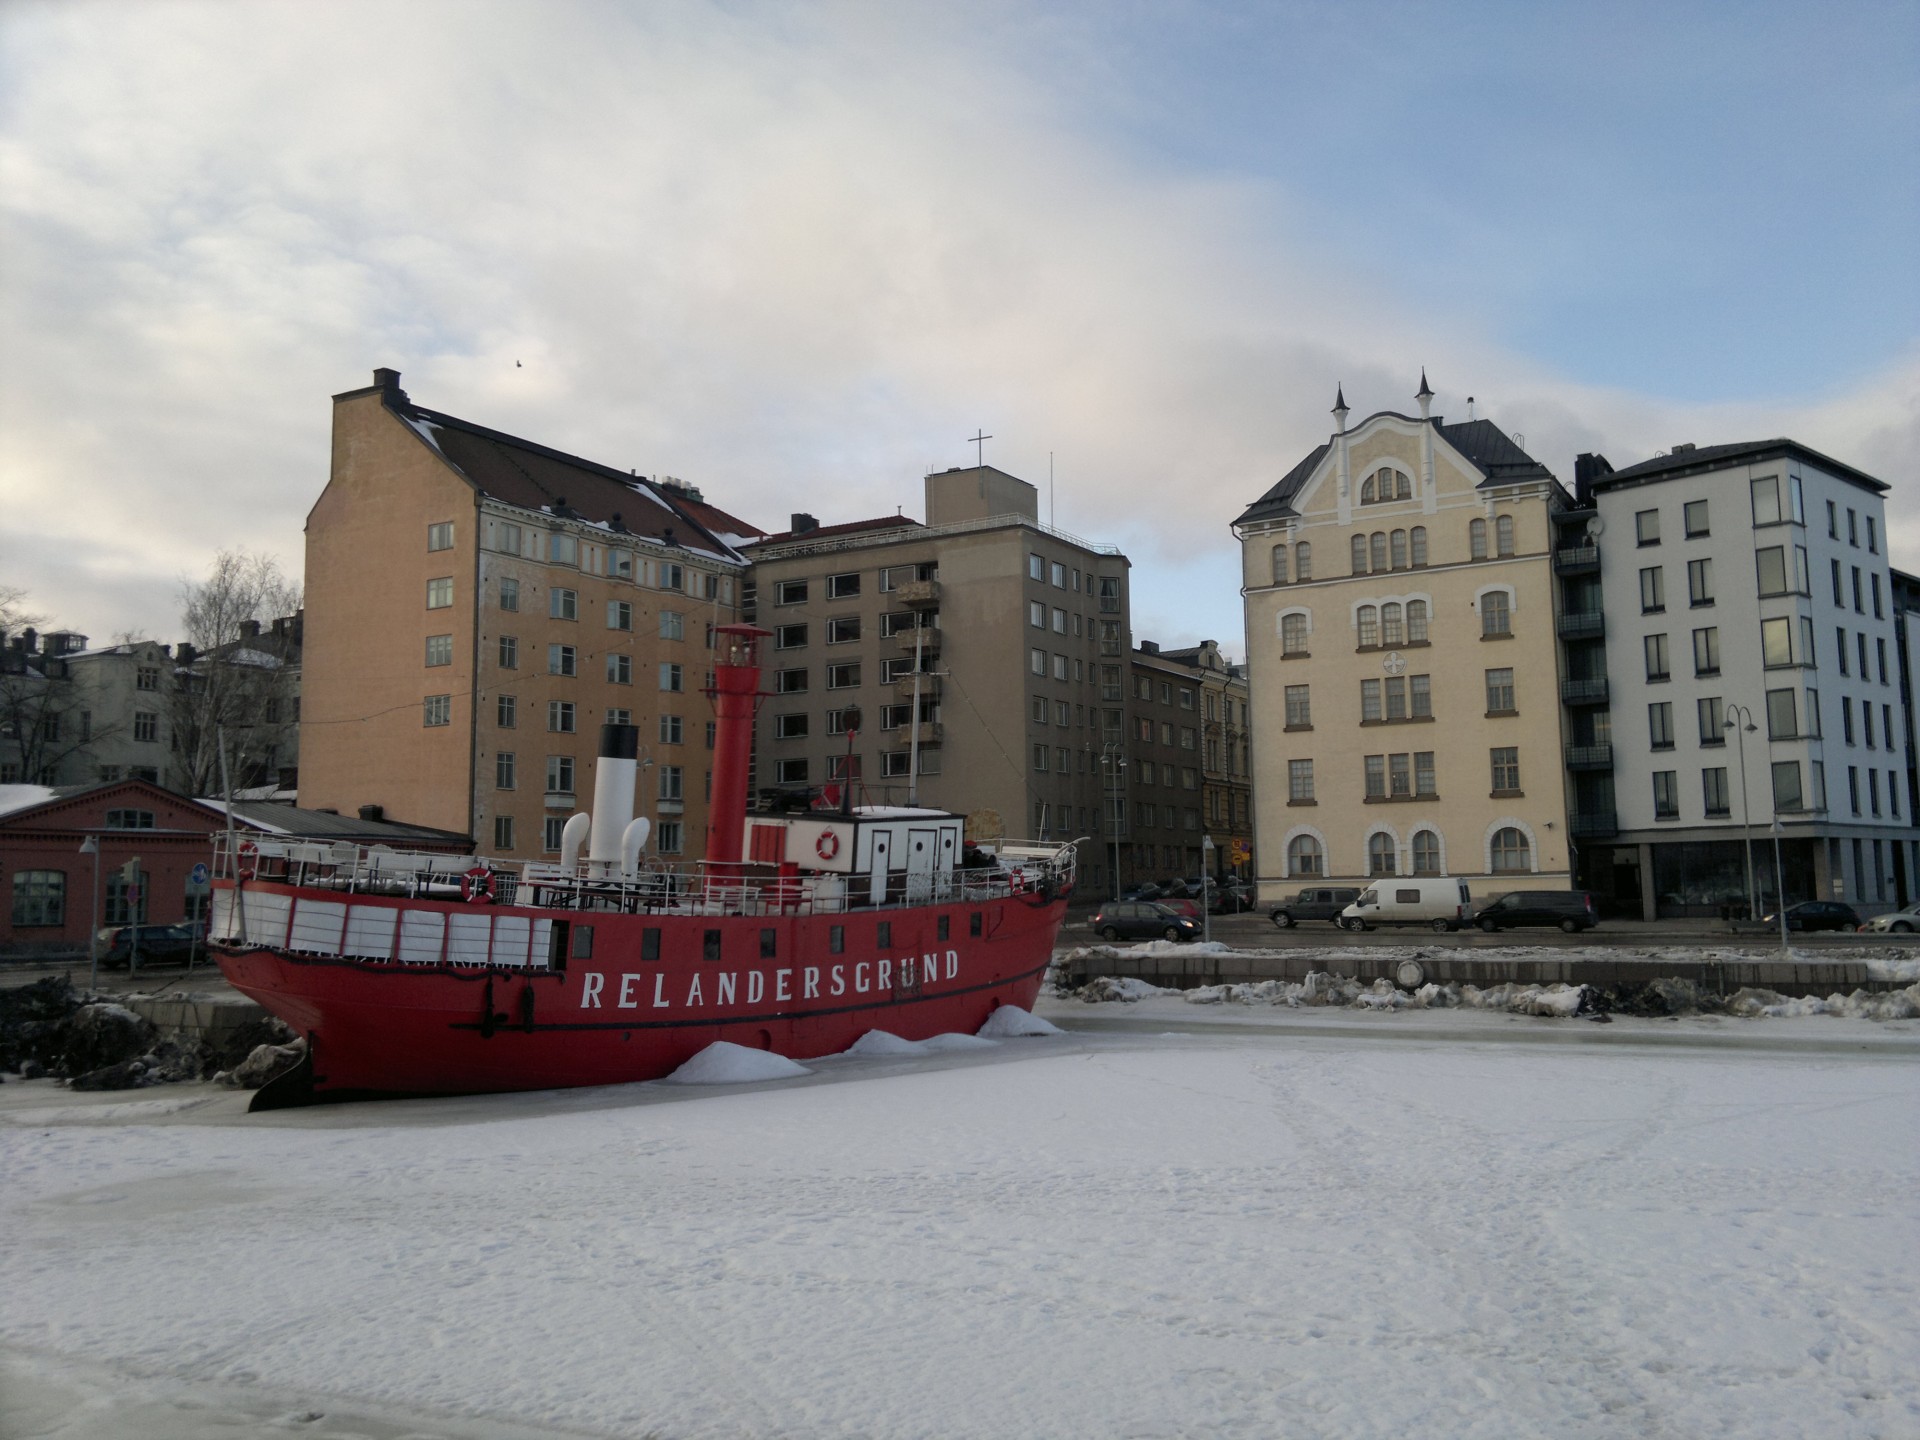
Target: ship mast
735	695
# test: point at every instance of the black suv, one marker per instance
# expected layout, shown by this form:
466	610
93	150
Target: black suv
1142	920
1818	915
1320	902
1571	910
157	943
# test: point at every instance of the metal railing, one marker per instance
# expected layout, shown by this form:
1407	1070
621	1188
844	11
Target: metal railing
1584	692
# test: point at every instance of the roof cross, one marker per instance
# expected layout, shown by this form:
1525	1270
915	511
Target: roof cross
977	440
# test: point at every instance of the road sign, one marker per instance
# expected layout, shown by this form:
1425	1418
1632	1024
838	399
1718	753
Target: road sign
199	876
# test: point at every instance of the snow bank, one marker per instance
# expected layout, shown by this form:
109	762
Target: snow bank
724	1063
1125	988
1898	968
1860	1005
1010	1021
885	1042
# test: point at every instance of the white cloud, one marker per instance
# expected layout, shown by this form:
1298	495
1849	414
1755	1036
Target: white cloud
792	256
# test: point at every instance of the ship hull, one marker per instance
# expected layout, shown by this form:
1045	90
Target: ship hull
638	1005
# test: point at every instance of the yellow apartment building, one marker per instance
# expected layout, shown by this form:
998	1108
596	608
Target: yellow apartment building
1398	585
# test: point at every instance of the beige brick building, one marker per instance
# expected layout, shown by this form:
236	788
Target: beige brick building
478	605
1400	640
1021	634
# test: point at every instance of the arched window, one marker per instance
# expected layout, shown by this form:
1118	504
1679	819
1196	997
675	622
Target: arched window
1399	549
1406	488
1426	853
1377	544
1293	634
1367	495
1380	855
1279	564
1419	537
1503	535
1369	619
1303	856
1511	855
1416	622
1477	539
1359	554
1496	614
1392	631
1303	561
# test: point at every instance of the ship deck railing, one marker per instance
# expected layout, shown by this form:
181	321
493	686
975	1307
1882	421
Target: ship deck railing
1017	868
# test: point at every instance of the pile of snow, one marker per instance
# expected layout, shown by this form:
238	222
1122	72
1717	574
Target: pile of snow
1899	968
1860	1005
1553	1000
724	1063
886	1043
1120	987
1011	1022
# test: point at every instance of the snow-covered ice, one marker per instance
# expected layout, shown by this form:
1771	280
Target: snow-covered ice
1274	1223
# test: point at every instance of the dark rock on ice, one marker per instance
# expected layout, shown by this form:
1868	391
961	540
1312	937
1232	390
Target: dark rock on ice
104	1034
265	1063
32	1023
126	1075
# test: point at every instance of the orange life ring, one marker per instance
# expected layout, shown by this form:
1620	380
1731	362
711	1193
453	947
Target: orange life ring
476	886
247	863
827	845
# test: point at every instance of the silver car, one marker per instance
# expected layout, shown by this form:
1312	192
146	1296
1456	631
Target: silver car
1900	922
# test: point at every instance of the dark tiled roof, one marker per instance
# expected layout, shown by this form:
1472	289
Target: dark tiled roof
325	825
1279	500
1714	457
849	527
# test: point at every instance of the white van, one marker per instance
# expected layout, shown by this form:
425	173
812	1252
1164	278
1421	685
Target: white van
1438	901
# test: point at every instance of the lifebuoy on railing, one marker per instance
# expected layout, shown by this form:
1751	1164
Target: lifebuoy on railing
246	862
476	886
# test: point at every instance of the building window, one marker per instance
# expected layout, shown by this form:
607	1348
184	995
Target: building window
1426	852
146	677
842	629
1787	796
1767	506
619	669
1653	590
1416	622
672	729
437	710
563	549
672	577
1776	643
1495	614
503	770
1770	565
552	829
563	604
1398	548
1511	854
503	832
1500	692
1060	664
129	819
1299	708
1036	568
1375	768
672	779
789	637
1381	856
790	592
1666	795
509	593
1293	634
672	677
123	908
1299	781
1706	651
1279	564
440	536
1477	539
509	652
896	762
559	776
1646	527
620	564
1036	615
1713	792
790	682
1783	719
1506	768
1694	515
505	711
789	727
1303	855
39	897
843	677
1700	582
620	617
1359	559
560	717
1503	536
843	587
790	772
670	837
562	660
440	593
1655	648
1660	725
1377	549
146	726
1368	622
1712	715
1418	538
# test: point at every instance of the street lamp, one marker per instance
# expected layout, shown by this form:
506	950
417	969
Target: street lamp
91	846
1113	765
1743	727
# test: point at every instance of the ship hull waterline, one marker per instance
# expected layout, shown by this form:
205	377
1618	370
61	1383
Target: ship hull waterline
379	1029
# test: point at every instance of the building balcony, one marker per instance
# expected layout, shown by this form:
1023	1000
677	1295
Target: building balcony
1581	559
929	686
918	592
1594	824
1584	692
1582	625
1589	757
931	732
926	638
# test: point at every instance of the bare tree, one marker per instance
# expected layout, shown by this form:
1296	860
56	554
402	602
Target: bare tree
234	681
40	722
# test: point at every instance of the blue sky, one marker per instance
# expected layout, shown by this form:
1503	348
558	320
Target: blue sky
796	254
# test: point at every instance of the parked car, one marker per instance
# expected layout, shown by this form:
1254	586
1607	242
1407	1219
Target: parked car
1571	910
1142	920
1147	891
1181	905
1230	899
157	942
1900	922
1817	915
1317	902
1438	901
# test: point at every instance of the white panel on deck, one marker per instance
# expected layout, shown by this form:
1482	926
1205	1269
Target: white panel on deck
511	936
266	916
542	940
370	931
469	936
224	924
420	936
317	926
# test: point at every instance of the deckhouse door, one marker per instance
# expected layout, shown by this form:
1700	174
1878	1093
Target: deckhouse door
922	851
882	858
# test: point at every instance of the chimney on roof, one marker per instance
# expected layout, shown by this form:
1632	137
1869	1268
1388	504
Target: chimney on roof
1683	449
183	653
803	522
617	525
30	640
1149	647
250	629
387	379
373	812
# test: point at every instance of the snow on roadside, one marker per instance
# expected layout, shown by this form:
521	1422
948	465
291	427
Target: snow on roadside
1894	968
724	1063
877	1043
